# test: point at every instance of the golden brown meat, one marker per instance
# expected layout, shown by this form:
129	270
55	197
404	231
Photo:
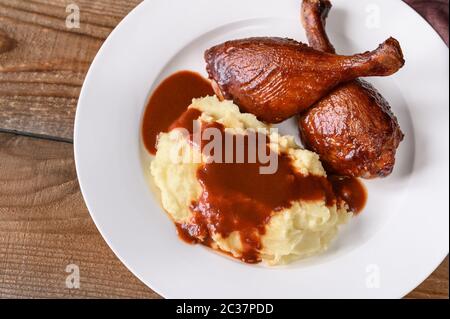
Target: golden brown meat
276	78
352	129
314	16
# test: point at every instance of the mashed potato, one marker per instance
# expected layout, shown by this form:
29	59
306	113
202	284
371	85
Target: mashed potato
304	229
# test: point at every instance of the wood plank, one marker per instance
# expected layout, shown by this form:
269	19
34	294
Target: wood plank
45	226
43	63
435	287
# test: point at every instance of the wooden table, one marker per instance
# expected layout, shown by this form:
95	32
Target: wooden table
44	223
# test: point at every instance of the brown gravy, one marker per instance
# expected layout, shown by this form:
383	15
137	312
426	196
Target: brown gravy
169	100
236	197
350	190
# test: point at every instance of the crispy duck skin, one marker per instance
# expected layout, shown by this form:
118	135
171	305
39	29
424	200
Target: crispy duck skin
276	78
314	15
352	128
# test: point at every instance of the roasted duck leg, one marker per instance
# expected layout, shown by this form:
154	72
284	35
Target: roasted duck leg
314	16
352	128
277	78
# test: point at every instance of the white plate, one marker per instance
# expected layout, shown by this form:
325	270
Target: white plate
398	241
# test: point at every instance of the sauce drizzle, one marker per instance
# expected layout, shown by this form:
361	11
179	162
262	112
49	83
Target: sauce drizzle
169	100
236	197
351	191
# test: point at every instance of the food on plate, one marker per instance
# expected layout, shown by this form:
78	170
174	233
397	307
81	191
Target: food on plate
352	128
230	181
353	131
314	14
168	101
276	217
275	78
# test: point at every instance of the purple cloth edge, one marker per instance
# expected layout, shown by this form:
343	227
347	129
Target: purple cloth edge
436	12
